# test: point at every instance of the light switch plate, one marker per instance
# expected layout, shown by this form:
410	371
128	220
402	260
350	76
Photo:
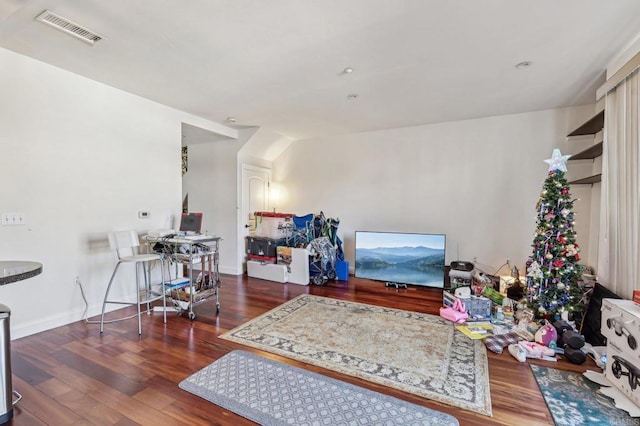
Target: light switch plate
13	219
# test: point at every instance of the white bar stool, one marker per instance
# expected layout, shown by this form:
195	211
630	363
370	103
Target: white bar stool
126	244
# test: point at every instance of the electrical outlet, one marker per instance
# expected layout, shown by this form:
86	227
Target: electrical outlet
143	214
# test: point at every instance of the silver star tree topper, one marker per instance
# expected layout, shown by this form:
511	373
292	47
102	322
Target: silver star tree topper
557	161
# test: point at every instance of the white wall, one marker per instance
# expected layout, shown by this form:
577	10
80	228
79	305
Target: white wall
78	159
477	181
629	51
212	183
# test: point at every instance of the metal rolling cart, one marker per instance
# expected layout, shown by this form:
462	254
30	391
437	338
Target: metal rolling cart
191	250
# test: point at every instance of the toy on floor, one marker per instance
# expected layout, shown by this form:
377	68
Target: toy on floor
546	335
536	350
457	313
570	342
523	350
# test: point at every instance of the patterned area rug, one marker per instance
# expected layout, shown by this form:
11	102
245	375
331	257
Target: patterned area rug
273	393
417	353
573	400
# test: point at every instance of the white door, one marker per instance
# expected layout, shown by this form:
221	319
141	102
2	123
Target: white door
255	198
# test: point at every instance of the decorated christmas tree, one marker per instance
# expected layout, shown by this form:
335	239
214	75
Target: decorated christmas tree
552	270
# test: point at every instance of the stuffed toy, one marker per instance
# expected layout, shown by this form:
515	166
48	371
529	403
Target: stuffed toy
546	335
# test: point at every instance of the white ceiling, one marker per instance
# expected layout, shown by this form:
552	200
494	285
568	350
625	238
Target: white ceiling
278	63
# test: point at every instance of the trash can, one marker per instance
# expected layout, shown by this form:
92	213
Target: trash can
6	388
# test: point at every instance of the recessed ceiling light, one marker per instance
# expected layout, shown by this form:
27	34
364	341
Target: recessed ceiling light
231	120
352	96
523	65
348	70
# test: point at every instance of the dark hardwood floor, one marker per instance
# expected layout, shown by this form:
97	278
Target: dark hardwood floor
72	375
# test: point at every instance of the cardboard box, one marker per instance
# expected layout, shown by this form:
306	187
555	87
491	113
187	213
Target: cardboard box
448	299
459	279
621	326
297	262
283	255
477	307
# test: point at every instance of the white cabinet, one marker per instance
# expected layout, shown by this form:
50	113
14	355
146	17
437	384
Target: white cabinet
267	271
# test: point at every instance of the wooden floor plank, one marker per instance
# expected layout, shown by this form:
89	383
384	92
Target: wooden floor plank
41	406
75	375
91	410
127	382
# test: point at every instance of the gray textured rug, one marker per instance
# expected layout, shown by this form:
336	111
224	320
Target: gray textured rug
273	393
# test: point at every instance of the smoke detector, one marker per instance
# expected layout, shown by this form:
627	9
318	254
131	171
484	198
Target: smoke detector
69	27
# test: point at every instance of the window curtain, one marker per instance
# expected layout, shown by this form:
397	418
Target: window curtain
619	242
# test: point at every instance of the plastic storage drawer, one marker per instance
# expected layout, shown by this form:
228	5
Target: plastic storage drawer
273	225
263	246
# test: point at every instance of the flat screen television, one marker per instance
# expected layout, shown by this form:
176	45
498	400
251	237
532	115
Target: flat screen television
404	258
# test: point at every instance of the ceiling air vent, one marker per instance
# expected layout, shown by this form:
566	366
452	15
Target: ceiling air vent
71	28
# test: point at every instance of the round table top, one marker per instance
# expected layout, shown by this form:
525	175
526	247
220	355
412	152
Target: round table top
12	271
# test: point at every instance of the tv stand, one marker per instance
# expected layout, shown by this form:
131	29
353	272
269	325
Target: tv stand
396	285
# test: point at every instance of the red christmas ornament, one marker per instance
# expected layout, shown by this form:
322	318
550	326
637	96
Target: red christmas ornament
558	263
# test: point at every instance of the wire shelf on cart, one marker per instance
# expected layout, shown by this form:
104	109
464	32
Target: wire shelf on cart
182	295
200	250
